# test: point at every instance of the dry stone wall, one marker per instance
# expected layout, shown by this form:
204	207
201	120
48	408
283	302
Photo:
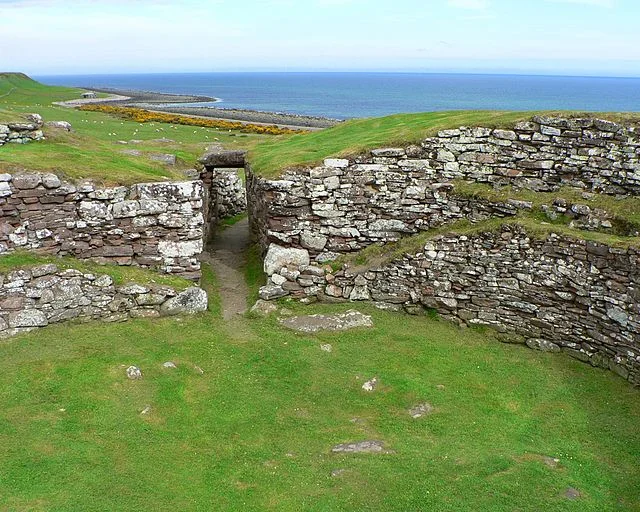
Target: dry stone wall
45	294
347	204
22	132
156	225
554	294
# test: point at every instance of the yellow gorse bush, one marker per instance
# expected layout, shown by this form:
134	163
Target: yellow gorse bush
141	115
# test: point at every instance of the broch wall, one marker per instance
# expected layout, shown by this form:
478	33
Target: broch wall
347	204
45	294
556	293
157	225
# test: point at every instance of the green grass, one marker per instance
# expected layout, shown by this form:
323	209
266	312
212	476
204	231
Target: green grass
255	430
271	157
625	209
381	254
120	274
352	137
92	150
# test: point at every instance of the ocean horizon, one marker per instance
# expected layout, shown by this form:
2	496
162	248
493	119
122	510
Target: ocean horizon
345	95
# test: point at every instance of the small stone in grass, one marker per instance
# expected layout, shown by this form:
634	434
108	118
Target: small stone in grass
572	493
326	348
134	373
421	410
361	447
146	410
337	472
199	370
370	385
169	364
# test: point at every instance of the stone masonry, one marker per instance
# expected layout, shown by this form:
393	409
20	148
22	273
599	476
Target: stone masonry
553	294
345	205
45	294
556	293
156	225
22	132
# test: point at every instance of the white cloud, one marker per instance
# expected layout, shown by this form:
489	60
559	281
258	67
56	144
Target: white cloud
597	3
474	5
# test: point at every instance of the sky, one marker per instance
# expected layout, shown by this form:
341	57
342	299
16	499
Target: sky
567	37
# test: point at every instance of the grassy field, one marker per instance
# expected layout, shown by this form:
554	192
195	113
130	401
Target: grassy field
248	419
92	150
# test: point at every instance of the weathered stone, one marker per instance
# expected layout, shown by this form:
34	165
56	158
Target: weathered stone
263	308
372	446
28	318
338	322
133	373
278	257
192	300
421	410
271	292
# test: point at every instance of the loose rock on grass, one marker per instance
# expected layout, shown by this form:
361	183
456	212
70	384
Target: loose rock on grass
134	373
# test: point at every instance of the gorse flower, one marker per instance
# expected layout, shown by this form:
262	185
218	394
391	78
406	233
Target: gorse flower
141	115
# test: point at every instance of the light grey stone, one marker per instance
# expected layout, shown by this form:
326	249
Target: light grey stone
190	301
278	257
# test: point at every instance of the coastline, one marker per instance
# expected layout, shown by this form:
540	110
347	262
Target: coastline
170	103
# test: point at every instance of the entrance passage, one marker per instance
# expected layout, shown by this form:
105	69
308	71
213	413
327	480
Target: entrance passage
226	254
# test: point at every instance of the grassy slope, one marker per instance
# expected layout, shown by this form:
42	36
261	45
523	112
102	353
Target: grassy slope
91	151
270	157
352	137
255	430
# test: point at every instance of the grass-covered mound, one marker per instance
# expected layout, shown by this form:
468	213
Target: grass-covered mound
92	149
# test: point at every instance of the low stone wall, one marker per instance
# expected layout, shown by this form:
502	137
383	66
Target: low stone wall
157	225
553	294
347	204
22	132
45	294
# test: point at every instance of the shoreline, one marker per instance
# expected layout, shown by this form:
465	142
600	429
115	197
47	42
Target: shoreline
170	104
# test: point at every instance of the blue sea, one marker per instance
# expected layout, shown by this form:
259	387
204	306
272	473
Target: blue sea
349	95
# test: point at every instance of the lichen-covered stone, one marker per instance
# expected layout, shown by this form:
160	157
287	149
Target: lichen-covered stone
192	300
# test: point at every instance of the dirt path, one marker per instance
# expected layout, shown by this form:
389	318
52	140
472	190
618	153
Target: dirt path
226	255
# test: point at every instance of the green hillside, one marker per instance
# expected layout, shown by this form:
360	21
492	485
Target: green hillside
93	150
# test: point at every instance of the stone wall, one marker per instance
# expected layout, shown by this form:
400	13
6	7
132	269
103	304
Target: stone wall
156	225
45	294
347	204
554	294
22	132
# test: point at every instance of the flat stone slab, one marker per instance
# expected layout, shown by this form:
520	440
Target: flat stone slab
361	447
340	322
